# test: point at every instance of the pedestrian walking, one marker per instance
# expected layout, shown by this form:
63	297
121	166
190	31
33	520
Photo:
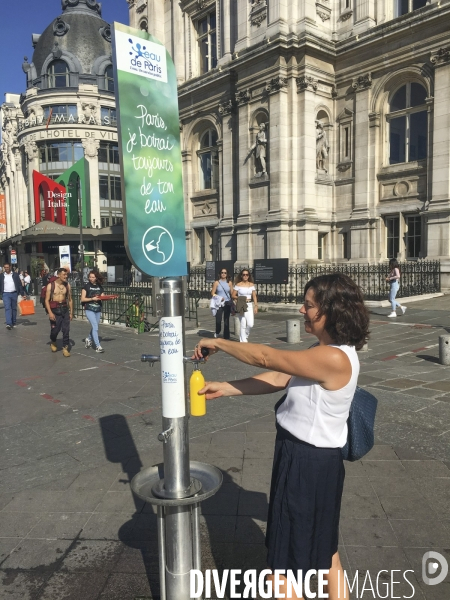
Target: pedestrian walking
244	289
27	283
91	300
10	288
59	305
311	422
223	288
394	283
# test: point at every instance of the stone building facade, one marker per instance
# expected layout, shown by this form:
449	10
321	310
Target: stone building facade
67	112
316	130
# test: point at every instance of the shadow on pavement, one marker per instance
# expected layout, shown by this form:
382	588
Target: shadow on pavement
135	533
230	537
433	359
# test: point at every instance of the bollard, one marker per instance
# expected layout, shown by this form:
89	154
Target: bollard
293	331
444	349
237	326
178	485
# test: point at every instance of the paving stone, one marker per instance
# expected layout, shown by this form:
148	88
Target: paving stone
424	533
42	555
24	585
362	507
367	532
73	586
17	524
130	585
402	384
92	555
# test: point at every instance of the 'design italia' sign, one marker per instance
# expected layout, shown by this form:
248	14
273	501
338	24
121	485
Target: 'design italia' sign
149	133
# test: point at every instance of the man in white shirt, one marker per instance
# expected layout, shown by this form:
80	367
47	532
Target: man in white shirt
10	288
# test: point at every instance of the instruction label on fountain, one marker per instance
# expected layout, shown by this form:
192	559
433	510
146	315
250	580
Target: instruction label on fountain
172	369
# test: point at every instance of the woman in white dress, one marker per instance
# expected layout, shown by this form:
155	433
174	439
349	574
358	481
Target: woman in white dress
244	287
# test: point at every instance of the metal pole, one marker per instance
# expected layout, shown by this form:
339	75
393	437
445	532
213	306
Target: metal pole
176	446
80	219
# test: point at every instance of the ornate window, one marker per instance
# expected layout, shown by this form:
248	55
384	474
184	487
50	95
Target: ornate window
408	124
109	184
61	113
207	42
393	236
321	242
109	79
108	116
143	25
401	7
413	236
56	158
58	74
208	157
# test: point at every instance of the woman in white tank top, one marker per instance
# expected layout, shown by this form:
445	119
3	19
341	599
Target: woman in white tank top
311	420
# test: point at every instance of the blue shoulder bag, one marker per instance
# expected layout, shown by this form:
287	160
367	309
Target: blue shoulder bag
360	423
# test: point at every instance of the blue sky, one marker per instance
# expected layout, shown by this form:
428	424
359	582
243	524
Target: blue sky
19	19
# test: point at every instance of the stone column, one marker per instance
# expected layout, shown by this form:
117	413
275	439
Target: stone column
361	208
227	180
438	213
178	52
226	32
307	215
32	152
5	185
307	15
278	15
91	147
278	147
365	15
243	25
186	157
21	192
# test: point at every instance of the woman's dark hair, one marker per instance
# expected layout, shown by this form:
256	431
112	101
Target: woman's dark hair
239	277
228	274
393	264
341	301
98	277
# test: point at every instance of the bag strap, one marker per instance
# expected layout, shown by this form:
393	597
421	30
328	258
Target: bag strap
226	293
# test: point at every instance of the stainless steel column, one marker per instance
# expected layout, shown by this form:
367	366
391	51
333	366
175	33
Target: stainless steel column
178	538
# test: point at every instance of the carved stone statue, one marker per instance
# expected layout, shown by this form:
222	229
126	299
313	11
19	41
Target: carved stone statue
91	147
322	148
258	150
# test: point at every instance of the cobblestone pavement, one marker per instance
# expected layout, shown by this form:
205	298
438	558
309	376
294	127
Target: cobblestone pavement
74	431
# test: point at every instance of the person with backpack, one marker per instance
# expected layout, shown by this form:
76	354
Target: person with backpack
91	300
46	280
59	305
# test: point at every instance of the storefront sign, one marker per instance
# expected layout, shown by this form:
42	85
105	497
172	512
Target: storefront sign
2	214
64	258
149	134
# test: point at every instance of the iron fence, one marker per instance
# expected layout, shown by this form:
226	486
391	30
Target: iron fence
417	278
122	310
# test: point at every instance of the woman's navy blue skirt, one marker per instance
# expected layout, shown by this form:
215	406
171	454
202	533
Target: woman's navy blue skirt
305	504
